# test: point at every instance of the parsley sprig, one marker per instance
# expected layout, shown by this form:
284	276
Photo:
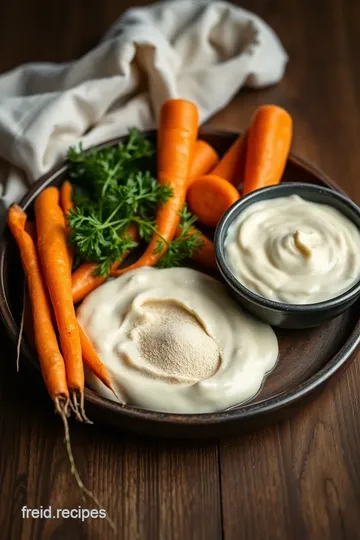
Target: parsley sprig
116	188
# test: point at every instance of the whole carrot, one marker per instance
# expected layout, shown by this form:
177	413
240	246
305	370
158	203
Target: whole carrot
206	254
175	147
268	147
66	197
54	259
92	361
67	205
85	280
51	361
231	165
205	158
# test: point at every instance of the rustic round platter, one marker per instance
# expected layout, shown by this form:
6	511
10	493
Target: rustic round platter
308	358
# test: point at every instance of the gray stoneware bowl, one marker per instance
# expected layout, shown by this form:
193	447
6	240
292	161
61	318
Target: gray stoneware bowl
276	313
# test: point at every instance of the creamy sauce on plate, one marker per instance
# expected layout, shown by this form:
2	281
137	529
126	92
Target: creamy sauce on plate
174	341
295	251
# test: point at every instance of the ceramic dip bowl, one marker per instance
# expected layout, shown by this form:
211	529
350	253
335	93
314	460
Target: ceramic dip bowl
280	314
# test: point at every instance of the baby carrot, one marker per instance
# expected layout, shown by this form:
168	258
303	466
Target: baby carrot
175	146
51	361
85	280
268	147
205	158
54	259
209	197
231	165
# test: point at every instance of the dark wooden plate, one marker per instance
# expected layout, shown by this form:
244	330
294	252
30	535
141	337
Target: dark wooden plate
308	358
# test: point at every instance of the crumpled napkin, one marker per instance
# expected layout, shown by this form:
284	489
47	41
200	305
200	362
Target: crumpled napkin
203	51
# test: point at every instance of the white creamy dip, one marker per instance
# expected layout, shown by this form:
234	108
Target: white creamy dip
295	251
174	341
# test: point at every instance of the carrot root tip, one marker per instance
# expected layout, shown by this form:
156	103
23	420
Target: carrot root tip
21	331
60	407
74	405
82	410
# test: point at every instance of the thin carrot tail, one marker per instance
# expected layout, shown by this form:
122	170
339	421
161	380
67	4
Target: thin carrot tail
93	362
61	409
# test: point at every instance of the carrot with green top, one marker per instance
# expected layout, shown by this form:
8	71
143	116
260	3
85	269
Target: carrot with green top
85	279
176	138
268	147
51	360
205	158
54	259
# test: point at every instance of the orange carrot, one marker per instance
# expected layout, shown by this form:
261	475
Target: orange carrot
209	197
268	147
175	147
85	280
51	361
205	255
67	205
66	197
205	158
231	165
54	259
92	361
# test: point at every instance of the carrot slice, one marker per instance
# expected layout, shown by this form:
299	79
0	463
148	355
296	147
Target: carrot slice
268	147
85	280
51	361
175	147
209	197
54	259
232	164
205	158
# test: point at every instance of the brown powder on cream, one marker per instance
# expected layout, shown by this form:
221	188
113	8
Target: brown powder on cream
173	344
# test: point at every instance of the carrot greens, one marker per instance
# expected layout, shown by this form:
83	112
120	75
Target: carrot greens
113	188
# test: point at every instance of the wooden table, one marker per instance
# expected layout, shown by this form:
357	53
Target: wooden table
298	480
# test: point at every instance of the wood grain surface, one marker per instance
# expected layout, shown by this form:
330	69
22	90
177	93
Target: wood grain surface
297	480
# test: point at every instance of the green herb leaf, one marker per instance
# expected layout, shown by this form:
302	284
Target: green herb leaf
184	245
114	188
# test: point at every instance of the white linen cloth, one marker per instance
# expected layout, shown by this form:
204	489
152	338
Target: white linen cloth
199	50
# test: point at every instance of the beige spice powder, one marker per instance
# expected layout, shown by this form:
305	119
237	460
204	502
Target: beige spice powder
174	344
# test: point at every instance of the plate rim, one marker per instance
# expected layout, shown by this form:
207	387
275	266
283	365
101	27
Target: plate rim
240	413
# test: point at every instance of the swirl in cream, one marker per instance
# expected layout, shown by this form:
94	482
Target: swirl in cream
174	341
292	250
